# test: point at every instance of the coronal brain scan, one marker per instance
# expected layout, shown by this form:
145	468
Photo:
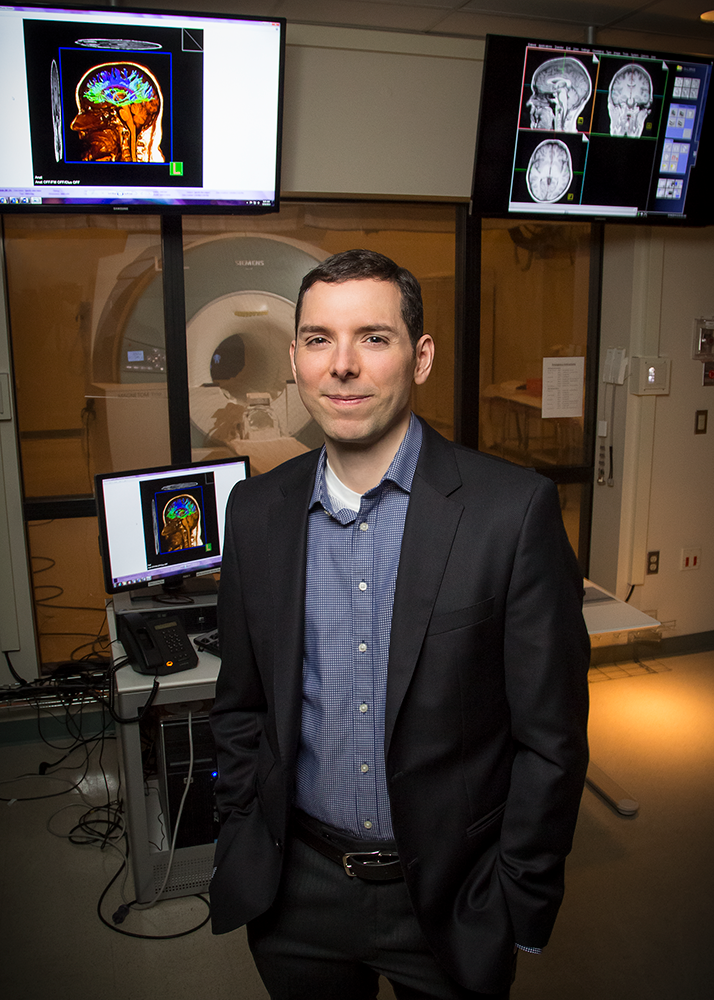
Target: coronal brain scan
182	523
560	90
629	100
120	108
549	171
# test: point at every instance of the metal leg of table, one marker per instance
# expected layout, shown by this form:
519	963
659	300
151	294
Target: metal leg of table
613	794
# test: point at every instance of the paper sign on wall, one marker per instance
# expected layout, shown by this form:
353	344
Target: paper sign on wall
563	380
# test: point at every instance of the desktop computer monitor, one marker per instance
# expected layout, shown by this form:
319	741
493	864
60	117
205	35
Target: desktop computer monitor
158	526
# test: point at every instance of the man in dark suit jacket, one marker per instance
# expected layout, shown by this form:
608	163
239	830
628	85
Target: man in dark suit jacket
435	851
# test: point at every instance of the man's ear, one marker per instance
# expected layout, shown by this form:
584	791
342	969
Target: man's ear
424	359
293	345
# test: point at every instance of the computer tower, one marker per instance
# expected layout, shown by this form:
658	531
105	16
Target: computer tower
199	818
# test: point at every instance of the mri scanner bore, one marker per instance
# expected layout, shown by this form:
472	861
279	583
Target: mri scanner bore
240	309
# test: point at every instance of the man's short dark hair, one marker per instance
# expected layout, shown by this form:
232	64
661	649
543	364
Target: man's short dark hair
357	265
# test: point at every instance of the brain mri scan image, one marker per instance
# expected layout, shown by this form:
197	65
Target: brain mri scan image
182	524
560	90
549	171
120	44
56	99
629	100
120	108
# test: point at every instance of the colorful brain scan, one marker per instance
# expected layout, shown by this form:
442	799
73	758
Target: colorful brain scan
182	523
120	109
118	86
180	507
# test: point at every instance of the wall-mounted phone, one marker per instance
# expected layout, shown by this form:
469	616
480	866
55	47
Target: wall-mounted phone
156	647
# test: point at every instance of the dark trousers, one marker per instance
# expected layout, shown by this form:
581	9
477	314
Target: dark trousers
330	937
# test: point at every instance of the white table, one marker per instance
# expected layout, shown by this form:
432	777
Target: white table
604	616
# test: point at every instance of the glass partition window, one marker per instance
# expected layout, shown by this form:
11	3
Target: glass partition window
68	589
86	306
242	279
535	289
534	326
86	322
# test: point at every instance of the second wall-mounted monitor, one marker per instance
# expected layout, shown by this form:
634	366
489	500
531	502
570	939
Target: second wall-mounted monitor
134	110
583	131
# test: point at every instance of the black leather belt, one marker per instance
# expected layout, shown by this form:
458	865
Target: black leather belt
374	861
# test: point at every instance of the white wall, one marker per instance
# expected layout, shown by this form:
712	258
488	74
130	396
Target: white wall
656	281
379	113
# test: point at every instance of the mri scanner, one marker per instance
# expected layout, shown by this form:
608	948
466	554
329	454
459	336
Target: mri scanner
241	291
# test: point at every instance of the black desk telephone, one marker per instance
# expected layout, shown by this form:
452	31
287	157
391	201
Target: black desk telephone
156	646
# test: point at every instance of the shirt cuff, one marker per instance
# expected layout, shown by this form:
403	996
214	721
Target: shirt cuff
531	951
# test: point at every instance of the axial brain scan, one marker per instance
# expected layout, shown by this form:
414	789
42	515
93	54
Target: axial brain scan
561	88
182	523
120	107
629	100
550	171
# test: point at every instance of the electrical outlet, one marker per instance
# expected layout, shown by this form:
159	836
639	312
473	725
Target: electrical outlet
653	562
691	558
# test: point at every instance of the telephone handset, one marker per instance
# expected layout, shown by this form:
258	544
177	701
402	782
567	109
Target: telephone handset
156	647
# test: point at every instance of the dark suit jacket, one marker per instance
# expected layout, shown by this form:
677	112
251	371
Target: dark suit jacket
486	711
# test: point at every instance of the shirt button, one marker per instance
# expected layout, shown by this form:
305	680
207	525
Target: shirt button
364	768
363	708
362	647
362	585
364	526
368	824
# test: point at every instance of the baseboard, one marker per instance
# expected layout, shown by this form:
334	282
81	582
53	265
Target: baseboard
674	645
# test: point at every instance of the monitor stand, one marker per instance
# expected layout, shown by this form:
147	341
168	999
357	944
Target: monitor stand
178	590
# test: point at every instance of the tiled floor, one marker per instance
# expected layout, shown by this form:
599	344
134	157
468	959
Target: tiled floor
637	922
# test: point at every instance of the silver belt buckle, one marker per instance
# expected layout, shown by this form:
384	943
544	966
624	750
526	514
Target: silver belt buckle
347	860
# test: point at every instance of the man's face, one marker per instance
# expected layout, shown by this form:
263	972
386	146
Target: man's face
353	361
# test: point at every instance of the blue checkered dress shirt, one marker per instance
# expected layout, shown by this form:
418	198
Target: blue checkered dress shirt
352	562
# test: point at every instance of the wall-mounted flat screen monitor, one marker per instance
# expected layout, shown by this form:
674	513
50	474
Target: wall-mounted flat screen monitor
582	131
136	110
158	526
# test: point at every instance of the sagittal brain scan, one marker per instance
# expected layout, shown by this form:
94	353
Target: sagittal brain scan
119	114
629	100
181	524
560	90
549	171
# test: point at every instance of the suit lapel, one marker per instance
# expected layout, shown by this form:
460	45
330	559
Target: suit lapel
287	550
432	520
